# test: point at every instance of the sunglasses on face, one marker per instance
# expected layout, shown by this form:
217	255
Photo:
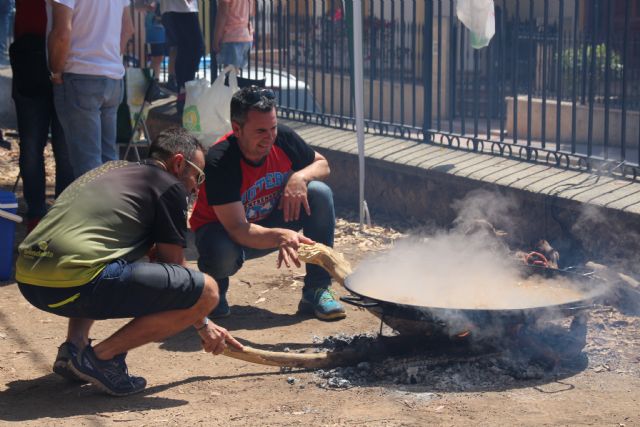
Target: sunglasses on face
258	94
201	175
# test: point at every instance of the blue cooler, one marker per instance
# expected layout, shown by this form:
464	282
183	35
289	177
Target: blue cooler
8	203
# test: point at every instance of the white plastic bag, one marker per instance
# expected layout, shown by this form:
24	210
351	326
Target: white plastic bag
479	17
137	83
206	109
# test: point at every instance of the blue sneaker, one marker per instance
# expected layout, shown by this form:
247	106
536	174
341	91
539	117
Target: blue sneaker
110	376
66	352
322	303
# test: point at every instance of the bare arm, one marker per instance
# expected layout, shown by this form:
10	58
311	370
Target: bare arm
241	231
169	253
317	170
294	196
255	236
127	29
59	41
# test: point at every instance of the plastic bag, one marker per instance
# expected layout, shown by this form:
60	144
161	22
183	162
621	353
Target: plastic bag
206	110
133	105
479	17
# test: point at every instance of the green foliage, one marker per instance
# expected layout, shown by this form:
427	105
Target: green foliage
615	62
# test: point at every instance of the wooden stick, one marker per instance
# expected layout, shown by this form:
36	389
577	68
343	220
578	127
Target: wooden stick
327	258
325	359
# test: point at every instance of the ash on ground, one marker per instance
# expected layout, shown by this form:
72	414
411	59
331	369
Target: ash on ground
610	343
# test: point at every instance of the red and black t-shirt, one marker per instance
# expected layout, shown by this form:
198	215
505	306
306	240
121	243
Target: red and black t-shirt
231	178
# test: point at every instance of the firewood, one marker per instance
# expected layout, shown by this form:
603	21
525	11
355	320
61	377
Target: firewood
327	258
625	289
327	359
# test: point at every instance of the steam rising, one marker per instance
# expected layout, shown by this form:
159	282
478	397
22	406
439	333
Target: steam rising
465	268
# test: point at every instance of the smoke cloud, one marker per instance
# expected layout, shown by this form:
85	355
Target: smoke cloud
468	267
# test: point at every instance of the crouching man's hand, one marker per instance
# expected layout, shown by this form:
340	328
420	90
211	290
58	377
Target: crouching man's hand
216	338
288	247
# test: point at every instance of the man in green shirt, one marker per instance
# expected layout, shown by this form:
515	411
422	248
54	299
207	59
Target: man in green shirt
79	262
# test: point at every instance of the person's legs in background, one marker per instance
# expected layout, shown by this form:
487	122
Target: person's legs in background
64	170
109	118
157	55
35	112
78	101
157	51
170	46
6	8
190	47
235	53
33	118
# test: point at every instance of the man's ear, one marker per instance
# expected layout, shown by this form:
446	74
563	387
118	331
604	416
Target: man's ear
235	126
176	164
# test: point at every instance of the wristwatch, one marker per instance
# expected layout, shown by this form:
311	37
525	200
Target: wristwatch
204	325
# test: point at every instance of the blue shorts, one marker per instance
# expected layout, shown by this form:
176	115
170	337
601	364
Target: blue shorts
234	53
122	290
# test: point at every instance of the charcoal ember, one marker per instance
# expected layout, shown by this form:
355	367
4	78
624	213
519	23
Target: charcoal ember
364	366
537	352
339	383
353	342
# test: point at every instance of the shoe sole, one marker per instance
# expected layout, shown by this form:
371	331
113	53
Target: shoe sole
305	307
61	367
330	316
96	382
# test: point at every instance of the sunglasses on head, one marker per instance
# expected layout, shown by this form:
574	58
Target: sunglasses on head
257	94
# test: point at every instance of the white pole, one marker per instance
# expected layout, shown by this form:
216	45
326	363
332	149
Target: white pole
359	95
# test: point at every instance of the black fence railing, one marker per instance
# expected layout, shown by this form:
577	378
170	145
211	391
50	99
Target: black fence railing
559	82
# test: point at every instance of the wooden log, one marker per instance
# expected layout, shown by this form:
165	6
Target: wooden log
327	359
327	258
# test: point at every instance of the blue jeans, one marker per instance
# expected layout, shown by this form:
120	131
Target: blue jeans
33	99
87	107
6	8
221	257
234	53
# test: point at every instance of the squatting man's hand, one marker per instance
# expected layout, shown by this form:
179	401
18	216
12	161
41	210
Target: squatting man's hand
215	339
289	243
293	197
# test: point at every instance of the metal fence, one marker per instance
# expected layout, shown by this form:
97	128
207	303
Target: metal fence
559	82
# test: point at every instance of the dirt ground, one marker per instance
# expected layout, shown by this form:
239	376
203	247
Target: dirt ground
189	387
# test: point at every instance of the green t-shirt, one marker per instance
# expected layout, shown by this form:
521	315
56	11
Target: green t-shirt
118	210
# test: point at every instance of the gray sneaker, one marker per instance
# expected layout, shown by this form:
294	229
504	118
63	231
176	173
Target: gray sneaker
110	376
66	352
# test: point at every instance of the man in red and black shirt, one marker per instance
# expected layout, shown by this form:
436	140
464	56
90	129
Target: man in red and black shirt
263	184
